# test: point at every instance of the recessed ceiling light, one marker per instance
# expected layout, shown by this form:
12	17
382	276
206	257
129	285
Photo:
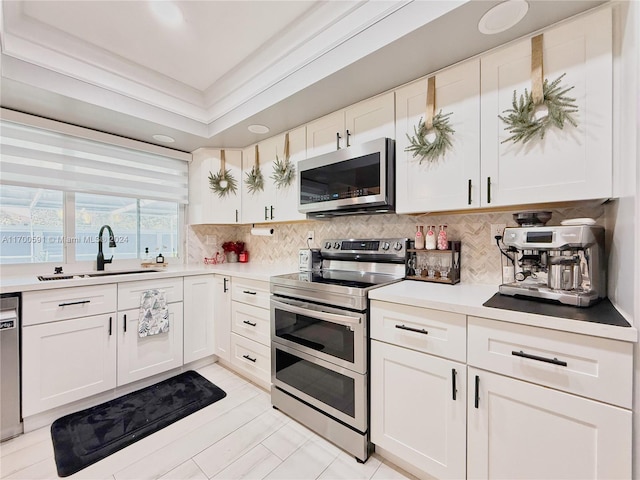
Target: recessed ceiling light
167	12
258	128
503	16
164	138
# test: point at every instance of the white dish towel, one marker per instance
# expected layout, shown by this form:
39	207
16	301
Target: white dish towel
154	313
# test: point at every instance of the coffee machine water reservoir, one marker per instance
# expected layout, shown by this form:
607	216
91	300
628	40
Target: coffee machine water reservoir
563	263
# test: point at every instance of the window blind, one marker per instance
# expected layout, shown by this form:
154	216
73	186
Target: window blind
35	157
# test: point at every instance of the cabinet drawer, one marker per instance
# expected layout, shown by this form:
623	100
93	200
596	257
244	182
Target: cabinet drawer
251	292
251	358
129	292
251	322
593	367
430	331
65	303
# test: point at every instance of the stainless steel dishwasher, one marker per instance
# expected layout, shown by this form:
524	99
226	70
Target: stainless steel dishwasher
10	413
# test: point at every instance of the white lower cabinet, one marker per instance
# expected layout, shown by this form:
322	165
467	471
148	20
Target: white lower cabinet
418	409
141	357
222	317
250	333
66	361
199	305
520	430
529	402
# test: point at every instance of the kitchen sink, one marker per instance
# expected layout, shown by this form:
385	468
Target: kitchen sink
74	276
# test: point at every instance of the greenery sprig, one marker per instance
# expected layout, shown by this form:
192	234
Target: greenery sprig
283	172
425	149
522	122
254	180
223	183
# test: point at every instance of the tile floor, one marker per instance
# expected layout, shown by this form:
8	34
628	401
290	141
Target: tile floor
240	436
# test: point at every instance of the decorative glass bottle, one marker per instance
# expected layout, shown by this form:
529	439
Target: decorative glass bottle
442	238
430	238
419	242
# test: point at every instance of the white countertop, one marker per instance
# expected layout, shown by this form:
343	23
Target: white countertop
255	271
468	300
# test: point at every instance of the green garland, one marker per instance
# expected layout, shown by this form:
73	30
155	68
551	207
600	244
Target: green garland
521	121
431	151
283	172
216	183
255	180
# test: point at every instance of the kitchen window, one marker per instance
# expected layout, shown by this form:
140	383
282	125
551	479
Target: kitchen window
31	223
58	189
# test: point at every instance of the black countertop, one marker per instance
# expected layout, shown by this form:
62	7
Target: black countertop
602	312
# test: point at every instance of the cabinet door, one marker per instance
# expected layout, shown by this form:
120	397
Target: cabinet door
517	430
141	357
574	163
414	413
222	316
205	206
453	181
199	336
66	361
255	208
285	199
370	119
322	134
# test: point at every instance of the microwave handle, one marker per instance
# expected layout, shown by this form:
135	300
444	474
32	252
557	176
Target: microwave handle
318	313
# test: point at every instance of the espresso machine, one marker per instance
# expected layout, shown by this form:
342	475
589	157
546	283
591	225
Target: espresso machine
565	263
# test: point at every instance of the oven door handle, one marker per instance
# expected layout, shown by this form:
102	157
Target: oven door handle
320	314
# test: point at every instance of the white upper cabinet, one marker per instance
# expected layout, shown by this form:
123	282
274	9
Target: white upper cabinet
452	181
273	204
359	123
573	163
205	206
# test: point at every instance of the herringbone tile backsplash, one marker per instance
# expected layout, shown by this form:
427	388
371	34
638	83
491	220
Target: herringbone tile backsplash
480	257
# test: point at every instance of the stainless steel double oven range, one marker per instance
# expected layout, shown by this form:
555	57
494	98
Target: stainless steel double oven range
320	338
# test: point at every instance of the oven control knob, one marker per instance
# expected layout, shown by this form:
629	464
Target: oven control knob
336	245
385	246
327	245
397	246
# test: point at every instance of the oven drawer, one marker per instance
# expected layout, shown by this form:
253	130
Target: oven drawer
431	331
251	292
593	367
251	358
251	322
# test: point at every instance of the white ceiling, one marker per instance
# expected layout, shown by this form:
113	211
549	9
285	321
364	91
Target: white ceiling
113	66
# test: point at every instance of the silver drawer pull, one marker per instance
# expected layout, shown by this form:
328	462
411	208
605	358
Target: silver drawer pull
253	324
417	330
248	292
81	302
554	360
249	358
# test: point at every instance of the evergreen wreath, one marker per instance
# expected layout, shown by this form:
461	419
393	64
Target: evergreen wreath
283	172
255	180
422	147
223	182
521	120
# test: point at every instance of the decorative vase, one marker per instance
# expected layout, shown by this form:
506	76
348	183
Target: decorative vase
232	257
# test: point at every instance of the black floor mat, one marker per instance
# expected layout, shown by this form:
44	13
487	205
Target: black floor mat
83	438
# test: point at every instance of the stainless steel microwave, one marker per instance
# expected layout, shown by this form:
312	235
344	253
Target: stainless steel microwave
352	180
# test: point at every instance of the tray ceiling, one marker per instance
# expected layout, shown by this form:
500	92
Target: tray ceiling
113	66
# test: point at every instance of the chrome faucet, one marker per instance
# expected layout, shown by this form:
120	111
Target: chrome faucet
112	244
